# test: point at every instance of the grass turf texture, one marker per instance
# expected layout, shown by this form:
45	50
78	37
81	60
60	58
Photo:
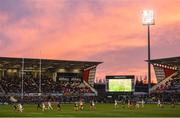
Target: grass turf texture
102	110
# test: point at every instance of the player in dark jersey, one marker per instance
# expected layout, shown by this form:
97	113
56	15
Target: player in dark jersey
75	106
39	106
172	102
59	106
15	108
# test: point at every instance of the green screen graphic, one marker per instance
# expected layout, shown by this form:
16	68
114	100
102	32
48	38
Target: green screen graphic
120	85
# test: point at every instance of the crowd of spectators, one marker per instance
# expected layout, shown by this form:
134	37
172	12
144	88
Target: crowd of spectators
74	88
48	85
170	85
10	85
175	83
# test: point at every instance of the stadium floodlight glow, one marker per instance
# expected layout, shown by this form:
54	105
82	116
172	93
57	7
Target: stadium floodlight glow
148	17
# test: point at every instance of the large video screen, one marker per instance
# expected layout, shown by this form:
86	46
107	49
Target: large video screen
120	85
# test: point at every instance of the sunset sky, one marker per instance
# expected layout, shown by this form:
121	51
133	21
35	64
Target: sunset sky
95	30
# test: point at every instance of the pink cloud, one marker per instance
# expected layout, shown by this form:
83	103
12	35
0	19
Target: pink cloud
81	30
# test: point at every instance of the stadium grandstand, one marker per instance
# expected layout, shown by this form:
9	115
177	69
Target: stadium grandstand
57	88
29	78
167	72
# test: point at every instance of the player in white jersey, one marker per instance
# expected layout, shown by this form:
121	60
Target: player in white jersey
20	107
129	104
43	106
159	103
81	105
142	103
137	105
115	104
49	106
92	105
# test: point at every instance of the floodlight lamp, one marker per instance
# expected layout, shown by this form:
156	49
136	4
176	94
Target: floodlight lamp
148	17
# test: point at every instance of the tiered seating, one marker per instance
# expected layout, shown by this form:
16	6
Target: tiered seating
48	85
75	88
13	85
175	83
30	86
163	85
171	84
1	89
10	85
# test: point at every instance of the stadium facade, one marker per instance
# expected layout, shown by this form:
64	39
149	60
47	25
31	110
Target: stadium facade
34	77
167	71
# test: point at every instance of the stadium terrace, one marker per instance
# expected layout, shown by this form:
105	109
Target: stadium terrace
167	72
47	87
33	77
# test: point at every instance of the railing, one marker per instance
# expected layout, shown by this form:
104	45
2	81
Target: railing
92	89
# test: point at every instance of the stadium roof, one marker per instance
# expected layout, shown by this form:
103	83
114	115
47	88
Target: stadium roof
172	61
32	63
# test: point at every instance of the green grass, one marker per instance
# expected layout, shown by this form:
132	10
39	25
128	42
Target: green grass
103	110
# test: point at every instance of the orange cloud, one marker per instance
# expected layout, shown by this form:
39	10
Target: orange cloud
80	30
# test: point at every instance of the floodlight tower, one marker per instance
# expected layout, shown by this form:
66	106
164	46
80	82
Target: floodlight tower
148	20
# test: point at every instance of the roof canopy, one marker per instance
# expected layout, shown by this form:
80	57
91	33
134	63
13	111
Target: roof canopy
16	63
172	61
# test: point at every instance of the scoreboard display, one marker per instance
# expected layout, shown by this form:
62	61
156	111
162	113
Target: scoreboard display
120	83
